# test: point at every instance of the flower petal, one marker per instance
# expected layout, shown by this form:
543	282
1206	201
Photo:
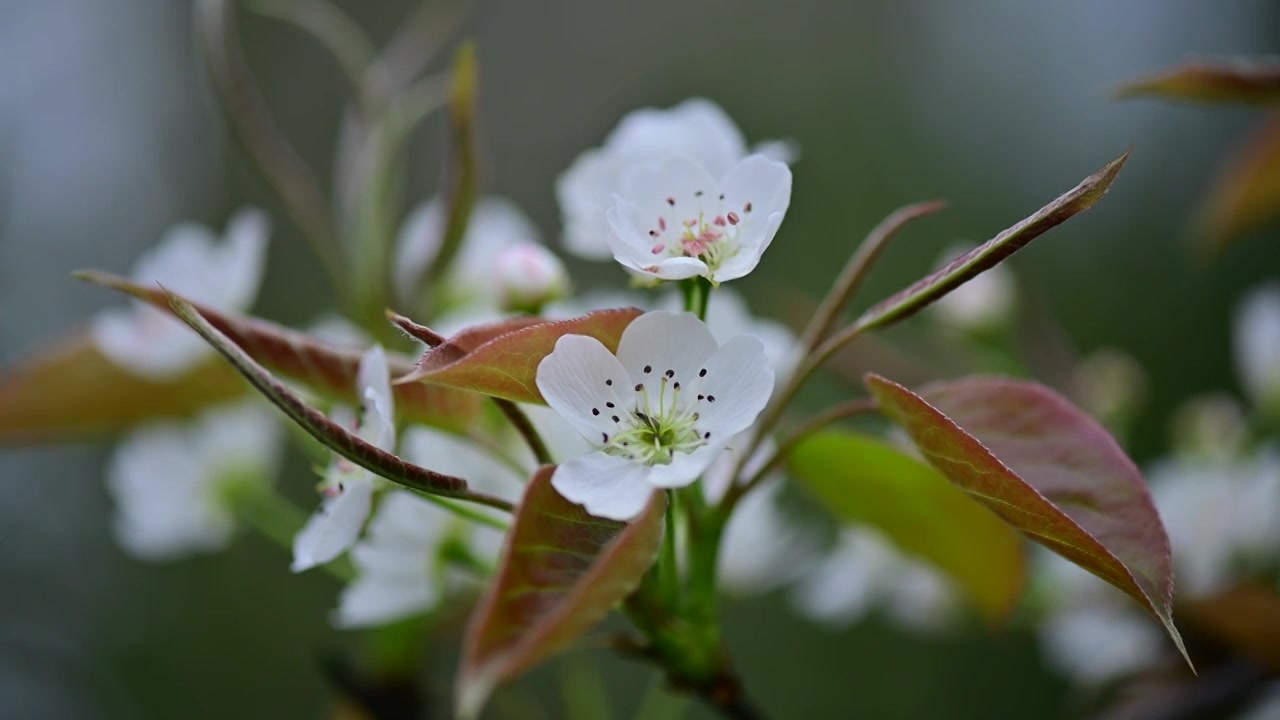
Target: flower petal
658	342
377	600
578	380
684	468
333	529
607	486
377	417
735	388
1256	338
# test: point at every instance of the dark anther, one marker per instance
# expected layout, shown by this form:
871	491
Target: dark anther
639	387
676	386
701	397
706	435
648	369
721	196
605	436
608	382
702	372
671	373
698	194
615	418
609	404
653	233
595	411
711	398
671	201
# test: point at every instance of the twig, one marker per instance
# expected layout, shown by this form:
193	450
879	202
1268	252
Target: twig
520	421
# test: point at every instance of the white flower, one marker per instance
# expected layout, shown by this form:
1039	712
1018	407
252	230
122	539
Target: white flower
1219	513
865	572
761	549
191	262
982	303
176	486
658	414
495	223
528	275
348	488
398	559
674	220
729	316
1257	345
696	129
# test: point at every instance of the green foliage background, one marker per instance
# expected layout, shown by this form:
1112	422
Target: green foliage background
996	105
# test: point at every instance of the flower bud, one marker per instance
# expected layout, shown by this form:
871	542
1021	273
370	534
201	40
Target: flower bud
528	276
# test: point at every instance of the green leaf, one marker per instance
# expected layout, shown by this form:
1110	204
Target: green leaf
561	572
505	364
325	369
1239	80
925	291
1047	469
330	434
862	479
1246	193
71	390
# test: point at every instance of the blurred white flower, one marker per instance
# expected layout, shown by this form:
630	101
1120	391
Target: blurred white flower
176	485
696	129
1257	345
674	220
496	223
192	262
1220	513
865	573
761	549
348	489
528	276
983	303
659	413
399	560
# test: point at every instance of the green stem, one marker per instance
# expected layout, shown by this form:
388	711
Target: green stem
668	575
697	294
463	511
520	421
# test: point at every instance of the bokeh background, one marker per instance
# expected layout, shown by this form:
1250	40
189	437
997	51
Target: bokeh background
109	133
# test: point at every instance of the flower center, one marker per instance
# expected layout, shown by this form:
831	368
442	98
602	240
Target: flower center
663	423
710	236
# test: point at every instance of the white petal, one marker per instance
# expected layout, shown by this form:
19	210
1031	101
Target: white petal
560	437
585	192
333	529
684	468
241	437
607	486
736	387
371	601
453	455
662	341
752	242
241	260
785	151
1257	344
578	380
147	342
728	316
377	420
761	550
416	246
1097	644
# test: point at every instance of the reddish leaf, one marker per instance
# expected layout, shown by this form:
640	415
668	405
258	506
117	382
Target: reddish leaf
1049	470
72	390
1228	80
506	366
328	433
465	342
865	480
561	572
326	369
925	291
1246	193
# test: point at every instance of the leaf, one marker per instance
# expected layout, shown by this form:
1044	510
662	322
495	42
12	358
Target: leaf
862	479
326	369
561	572
506	365
1240	80
925	291
330	434
1048	470
1246	193
71	390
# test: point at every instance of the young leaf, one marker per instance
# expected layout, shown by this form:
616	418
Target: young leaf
1246	193
1240	80
329	433
71	390
506	365
930	288
862	479
561	572
458	346
1048	470
326	369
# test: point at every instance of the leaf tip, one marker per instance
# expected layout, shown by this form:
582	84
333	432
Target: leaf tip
472	694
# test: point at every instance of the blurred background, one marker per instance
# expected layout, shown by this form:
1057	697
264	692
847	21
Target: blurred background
109	133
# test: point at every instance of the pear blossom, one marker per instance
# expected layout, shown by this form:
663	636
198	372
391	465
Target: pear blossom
696	128
192	262
400	568
674	220
658	414
863	573
528	275
176	486
347	488
1257	345
982	303
496	223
